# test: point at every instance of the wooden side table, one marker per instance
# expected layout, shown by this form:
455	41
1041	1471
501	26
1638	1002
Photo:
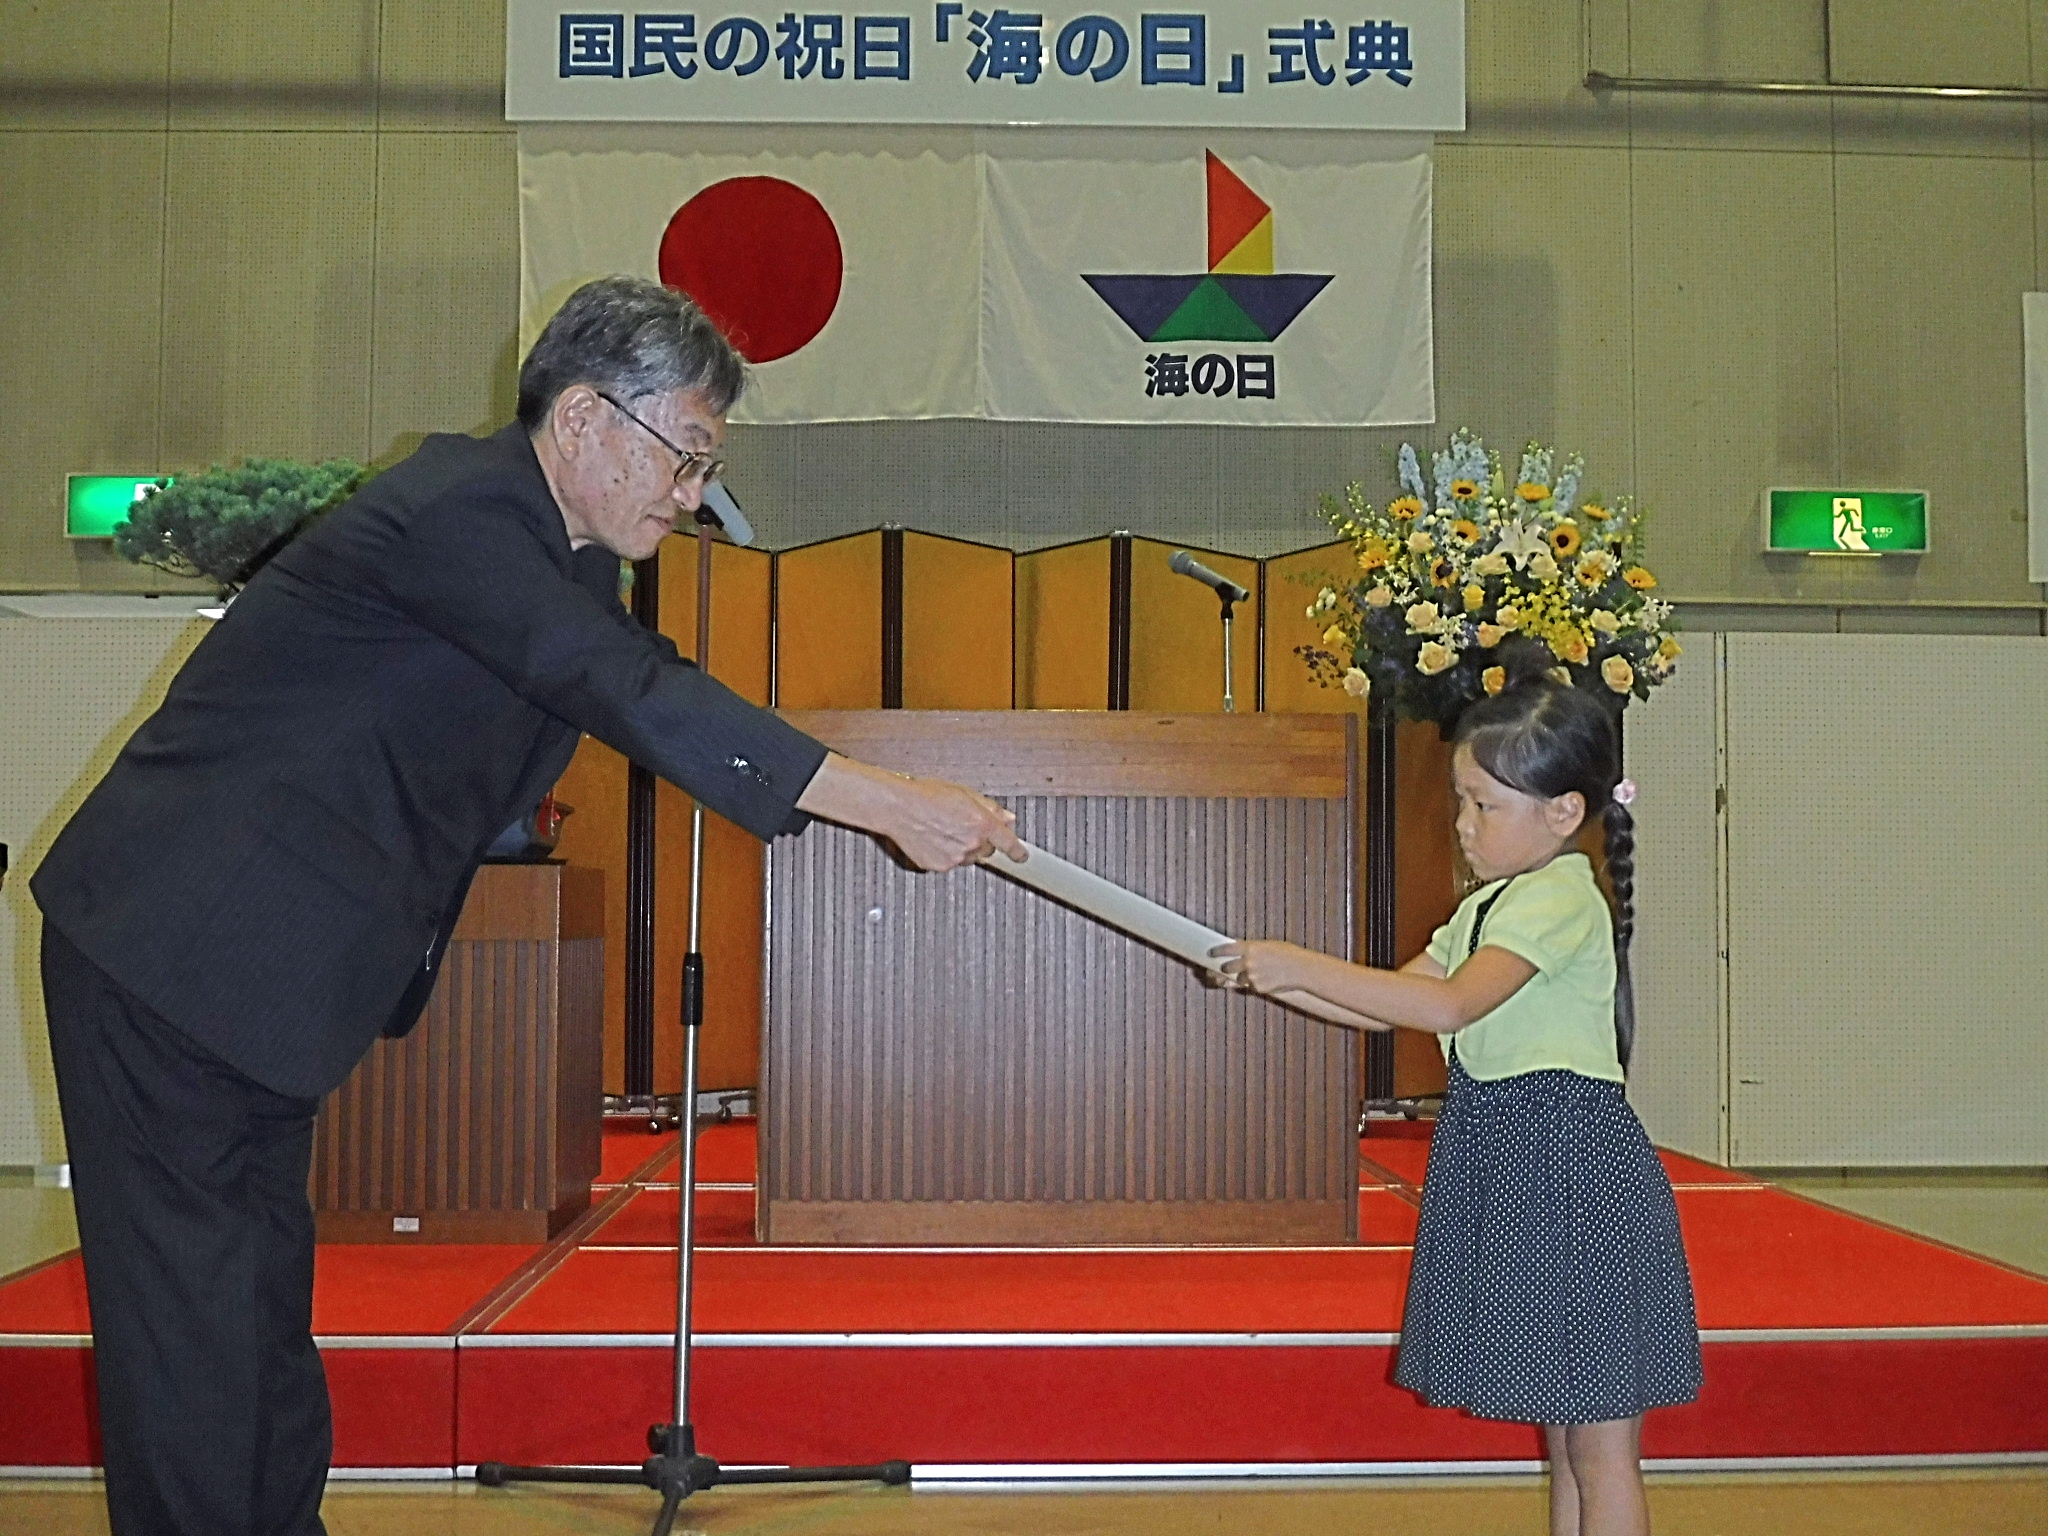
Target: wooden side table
484	1124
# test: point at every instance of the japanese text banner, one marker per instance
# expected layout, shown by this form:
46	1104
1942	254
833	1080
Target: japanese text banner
1270	279
1226	64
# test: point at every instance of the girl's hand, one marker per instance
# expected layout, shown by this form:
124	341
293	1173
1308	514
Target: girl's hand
1266	966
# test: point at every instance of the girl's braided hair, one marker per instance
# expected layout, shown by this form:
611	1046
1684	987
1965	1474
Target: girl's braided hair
1546	740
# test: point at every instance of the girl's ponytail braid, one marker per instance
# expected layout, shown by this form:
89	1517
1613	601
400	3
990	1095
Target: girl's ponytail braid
1621	876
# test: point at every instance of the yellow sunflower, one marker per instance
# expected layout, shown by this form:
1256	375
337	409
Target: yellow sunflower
1565	539
1639	578
1372	559
1441	572
1464	490
1405	509
1466	530
1531	492
1595	511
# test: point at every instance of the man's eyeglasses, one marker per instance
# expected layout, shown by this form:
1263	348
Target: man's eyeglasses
692	468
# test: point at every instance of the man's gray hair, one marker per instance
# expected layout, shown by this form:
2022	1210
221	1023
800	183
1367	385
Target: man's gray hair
629	338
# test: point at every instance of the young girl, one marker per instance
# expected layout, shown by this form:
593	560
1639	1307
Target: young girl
1549	1284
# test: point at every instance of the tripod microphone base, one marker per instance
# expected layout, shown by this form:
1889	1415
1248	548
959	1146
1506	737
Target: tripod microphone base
676	1471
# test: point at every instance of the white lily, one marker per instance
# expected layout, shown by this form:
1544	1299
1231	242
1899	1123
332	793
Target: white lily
1521	542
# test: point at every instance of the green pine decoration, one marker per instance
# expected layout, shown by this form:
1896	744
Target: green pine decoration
223	524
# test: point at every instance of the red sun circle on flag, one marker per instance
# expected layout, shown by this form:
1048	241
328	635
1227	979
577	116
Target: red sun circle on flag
761	257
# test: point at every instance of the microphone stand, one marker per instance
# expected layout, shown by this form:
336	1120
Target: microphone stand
1229	699
676	1469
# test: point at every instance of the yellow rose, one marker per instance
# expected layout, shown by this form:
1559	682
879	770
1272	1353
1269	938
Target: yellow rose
1424	619
1490	635
1475	598
1569	645
1334	635
1420	543
1559	675
1435	657
1356	683
1544	568
1493	679
1406	509
1604	621
1669	650
1495	564
1379	597
1618	674
1639	578
1509	617
1463	490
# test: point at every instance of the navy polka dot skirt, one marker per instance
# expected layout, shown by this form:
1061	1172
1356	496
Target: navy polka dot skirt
1549	1283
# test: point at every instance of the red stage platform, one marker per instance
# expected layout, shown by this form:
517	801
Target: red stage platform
1829	1340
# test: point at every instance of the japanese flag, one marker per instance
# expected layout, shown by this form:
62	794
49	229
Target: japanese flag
845	265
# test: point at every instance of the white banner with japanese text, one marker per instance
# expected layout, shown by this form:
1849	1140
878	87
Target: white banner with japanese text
1228	64
1269	279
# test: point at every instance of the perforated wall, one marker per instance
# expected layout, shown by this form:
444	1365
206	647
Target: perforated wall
1675	1081
1887	881
74	691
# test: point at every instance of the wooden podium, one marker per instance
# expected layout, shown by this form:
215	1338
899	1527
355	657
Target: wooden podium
955	1059
484	1124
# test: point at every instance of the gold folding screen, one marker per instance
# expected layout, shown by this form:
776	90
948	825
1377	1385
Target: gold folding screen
969	627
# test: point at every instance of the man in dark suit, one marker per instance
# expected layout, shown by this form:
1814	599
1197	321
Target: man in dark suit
268	875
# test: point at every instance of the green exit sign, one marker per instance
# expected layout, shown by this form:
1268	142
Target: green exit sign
1845	522
95	504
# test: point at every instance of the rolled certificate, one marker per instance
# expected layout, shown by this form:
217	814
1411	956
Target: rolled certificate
1111	904
1107	902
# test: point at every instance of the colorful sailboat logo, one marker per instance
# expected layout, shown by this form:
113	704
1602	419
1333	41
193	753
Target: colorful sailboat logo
1240	297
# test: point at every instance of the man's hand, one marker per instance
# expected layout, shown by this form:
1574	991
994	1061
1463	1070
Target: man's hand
936	825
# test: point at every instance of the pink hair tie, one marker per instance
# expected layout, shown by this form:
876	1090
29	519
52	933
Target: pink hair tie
1625	792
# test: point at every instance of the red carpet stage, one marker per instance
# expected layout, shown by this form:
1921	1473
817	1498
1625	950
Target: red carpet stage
1828	1339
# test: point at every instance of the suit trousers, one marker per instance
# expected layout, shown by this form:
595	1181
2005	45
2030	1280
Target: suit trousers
190	1185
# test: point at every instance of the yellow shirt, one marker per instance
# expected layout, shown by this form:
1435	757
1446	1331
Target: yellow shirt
1556	919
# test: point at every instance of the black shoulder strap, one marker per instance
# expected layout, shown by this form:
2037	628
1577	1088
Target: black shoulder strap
1479	918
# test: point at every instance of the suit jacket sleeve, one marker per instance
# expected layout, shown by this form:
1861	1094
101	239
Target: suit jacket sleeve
500	588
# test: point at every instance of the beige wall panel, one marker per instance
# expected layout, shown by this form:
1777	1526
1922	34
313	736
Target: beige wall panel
1910	42
1063	627
828	625
1728	40
1177	633
1532	330
1525	79
240	64
112	73
1271	480
267	333
441	64
81	247
444	357
1053	477
1973	129
1935	254
959	624
1736	381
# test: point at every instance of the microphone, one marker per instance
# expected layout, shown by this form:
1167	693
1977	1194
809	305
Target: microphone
726	514
1185	564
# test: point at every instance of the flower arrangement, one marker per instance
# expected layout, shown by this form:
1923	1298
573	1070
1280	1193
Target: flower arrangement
1468	583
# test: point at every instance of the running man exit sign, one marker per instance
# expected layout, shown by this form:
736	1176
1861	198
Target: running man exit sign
95	504
1806	522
